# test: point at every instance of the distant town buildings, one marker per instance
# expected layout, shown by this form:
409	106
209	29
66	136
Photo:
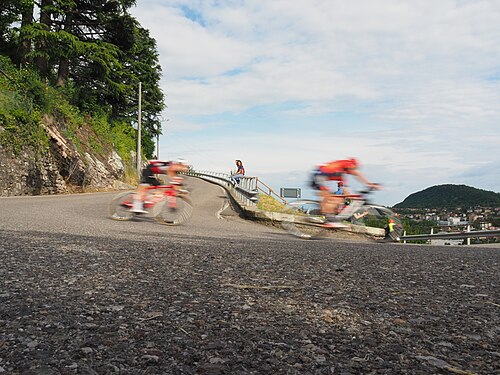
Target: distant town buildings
454	220
481	218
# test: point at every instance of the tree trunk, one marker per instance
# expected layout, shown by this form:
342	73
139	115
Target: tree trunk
41	44
25	45
63	72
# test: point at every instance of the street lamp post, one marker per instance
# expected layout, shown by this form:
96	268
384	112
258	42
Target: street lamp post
139	131
158	143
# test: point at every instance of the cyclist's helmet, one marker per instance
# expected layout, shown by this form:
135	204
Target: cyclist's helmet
340	183
181	161
158	166
354	162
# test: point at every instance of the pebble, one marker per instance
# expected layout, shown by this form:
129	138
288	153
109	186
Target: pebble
32	344
150	358
434	361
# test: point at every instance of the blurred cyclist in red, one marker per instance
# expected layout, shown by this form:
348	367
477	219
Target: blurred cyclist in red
148	178
335	171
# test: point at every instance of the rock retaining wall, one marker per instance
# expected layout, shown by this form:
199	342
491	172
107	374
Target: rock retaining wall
59	169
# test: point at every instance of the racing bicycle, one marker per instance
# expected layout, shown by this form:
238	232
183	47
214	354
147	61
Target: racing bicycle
305	219
167	204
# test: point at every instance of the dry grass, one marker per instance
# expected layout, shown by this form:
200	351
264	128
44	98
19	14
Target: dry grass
268	203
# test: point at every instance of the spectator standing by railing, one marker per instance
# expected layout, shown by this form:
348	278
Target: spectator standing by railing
240	172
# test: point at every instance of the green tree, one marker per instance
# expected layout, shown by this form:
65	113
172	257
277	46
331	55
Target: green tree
95	51
141	63
41	56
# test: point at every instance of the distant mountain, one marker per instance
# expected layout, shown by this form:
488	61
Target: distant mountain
451	196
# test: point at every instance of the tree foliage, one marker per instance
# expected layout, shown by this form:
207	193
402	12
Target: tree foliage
93	50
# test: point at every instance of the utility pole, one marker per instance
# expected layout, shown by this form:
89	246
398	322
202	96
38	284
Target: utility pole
139	131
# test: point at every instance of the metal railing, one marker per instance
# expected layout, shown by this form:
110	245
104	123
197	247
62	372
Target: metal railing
452	235
246	190
269	191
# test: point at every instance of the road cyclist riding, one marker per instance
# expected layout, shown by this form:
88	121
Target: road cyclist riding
168	203
340	209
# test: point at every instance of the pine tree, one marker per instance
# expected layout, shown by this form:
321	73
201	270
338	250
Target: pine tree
94	46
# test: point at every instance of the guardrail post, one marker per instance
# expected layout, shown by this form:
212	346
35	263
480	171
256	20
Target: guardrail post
404	234
468	238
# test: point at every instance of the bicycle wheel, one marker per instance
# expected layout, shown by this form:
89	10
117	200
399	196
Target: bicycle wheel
177	214
304	220
119	207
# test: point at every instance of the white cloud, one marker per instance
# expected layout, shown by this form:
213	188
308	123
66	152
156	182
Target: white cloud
410	87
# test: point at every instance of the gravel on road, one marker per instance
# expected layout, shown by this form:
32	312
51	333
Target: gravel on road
200	305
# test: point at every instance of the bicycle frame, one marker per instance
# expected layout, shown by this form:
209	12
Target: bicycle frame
152	199
357	201
167	204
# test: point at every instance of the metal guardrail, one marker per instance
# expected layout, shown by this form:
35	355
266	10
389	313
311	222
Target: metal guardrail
248	187
246	190
270	191
451	235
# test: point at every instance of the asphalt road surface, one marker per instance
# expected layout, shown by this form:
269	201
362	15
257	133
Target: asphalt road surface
87	214
83	294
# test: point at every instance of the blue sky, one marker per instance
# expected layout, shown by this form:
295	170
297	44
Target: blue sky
410	88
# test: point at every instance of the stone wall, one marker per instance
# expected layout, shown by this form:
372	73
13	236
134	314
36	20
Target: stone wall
59	169
26	174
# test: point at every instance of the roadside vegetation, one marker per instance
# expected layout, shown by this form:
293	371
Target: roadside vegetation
77	65
268	203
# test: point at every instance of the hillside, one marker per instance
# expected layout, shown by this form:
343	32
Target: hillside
69	95
451	196
48	145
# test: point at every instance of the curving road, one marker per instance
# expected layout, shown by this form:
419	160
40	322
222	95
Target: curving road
87	214
82	294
